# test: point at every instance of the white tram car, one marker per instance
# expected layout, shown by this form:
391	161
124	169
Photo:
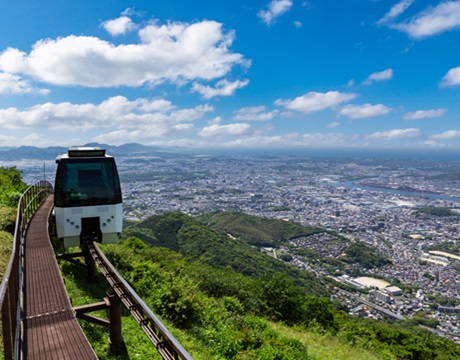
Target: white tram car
87	197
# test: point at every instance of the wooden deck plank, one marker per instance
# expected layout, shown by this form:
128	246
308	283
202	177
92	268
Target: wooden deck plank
51	330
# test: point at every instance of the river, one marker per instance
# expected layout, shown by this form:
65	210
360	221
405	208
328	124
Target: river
353	185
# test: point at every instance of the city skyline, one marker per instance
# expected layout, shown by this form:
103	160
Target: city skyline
241	75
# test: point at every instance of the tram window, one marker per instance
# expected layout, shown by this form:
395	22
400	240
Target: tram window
86	182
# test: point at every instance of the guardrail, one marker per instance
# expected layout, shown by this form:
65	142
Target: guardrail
12	283
161	338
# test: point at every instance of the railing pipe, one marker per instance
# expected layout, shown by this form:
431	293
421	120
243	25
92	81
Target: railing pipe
166	344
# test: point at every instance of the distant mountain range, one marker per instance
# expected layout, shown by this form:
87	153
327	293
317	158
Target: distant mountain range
32	152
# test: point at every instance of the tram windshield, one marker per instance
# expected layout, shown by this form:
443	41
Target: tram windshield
87	182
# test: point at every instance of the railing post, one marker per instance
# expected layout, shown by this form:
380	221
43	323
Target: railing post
116	338
89	261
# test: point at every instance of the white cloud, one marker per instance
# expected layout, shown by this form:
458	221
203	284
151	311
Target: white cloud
217	130
395	11
364	111
156	118
395	134
333	125
13	84
434	144
298	24
315	101
379	76
7	140
452	77
254	113
160	130
447	135
424	114
432	21
295	140
223	88
276	8
119	26
175	52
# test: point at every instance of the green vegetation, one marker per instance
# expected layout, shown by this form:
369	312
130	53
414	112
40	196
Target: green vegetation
420	319
6	242
255	230
176	175
189	236
366	256
448	247
11	186
222	314
436	211
11	189
452	175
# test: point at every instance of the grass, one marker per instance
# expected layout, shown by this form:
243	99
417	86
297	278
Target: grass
323	346
81	292
6	243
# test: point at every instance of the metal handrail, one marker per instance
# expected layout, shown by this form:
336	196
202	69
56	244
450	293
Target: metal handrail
166	344
10	288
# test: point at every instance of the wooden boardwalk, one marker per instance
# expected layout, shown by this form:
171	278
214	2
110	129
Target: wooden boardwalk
50	329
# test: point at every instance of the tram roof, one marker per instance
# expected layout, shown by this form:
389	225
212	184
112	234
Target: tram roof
82	152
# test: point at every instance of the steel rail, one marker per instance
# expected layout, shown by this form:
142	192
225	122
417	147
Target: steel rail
12	282
159	335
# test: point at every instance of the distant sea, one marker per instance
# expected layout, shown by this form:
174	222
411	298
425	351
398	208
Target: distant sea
446	155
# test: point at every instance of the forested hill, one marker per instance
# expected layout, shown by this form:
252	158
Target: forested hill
197	241
255	230
225	314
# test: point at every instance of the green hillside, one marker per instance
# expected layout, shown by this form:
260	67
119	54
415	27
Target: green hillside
11	189
229	301
222	314
190	237
255	230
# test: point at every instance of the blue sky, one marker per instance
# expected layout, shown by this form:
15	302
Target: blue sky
360	74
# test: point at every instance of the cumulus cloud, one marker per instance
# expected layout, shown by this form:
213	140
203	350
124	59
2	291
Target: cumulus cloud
13	84
119	26
254	113
364	111
395	11
452	77
275	9
447	135
217	130
432	21
175	52
222	88
424	114
395	134
154	117
379	76
315	101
